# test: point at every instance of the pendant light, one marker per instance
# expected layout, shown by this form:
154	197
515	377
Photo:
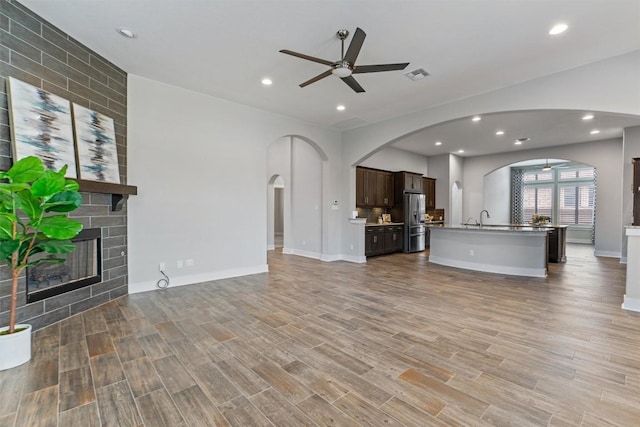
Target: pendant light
546	167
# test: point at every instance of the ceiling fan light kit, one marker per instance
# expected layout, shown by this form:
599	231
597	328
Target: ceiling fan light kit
345	67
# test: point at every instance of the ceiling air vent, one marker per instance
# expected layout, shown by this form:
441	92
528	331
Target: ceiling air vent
417	74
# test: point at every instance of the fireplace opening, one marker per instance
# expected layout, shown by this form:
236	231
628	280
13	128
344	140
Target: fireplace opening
82	267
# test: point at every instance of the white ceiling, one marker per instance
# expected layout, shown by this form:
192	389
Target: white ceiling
225	47
546	128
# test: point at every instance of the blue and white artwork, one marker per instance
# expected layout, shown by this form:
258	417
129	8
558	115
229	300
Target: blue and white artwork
96	141
41	126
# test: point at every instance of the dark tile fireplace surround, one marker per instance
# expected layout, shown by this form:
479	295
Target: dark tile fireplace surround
36	52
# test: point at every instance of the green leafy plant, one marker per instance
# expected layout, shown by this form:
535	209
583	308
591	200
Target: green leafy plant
34	203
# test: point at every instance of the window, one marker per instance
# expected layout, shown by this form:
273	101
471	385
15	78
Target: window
576	204
565	194
537	200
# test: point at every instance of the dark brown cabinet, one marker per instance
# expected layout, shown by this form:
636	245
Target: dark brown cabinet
384	189
429	191
557	244
408	181
374	188
382	239
392	239
374	241
365	187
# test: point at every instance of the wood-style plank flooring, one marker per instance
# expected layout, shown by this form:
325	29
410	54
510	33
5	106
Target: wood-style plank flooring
396	341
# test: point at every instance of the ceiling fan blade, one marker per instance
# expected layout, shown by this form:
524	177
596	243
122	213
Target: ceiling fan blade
355	46
307	57
316	78
352	83
380	67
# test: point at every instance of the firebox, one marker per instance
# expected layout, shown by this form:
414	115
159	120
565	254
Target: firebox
82	267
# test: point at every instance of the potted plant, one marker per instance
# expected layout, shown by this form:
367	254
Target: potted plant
34	203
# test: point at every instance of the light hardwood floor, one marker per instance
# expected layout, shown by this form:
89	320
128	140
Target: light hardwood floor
396	341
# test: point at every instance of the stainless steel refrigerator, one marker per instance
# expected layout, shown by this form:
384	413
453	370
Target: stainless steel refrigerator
413	212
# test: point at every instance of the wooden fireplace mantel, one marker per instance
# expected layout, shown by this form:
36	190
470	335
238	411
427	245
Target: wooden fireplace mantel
119	192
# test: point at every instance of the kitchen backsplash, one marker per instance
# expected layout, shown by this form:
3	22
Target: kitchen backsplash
372	214
437	214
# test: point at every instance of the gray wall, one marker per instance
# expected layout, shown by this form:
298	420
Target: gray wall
36	52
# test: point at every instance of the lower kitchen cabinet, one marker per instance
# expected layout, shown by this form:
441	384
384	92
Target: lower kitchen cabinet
374	241
393	238
383	239
558	244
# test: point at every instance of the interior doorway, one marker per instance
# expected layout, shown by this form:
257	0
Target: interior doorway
278	213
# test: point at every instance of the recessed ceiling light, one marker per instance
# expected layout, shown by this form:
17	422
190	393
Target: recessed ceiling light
460	151
500	132
595	131
341	108
438	143
267	81
517	142
587	117
125	32
476	119
558	28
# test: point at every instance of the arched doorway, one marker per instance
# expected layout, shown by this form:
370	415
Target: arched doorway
298	164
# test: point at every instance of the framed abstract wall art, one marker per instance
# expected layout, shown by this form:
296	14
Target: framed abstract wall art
96	143
41	126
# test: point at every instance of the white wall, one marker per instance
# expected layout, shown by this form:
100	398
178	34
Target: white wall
395	160
604	155
200	164
306	199
439	169
456	170
497	196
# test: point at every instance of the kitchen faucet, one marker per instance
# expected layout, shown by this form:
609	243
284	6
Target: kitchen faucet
483	211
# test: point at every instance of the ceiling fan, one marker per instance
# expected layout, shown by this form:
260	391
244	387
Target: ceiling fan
346	66
547	167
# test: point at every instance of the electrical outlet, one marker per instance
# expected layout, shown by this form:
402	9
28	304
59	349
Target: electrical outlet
162	266
471	252
188	262
179	263
352	246
304	243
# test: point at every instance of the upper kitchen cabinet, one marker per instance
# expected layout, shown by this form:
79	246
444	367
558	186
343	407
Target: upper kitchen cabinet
429	191
408	181
384	189
374	188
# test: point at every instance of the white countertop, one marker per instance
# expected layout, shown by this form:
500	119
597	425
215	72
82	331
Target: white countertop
495	228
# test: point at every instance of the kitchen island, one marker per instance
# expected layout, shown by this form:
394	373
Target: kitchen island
519	251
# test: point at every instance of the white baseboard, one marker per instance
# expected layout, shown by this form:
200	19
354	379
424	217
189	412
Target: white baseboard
631	304
308	254
325	257
135	288
354	258
331	258
488	268
623	260
607	254
580	241
271	247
